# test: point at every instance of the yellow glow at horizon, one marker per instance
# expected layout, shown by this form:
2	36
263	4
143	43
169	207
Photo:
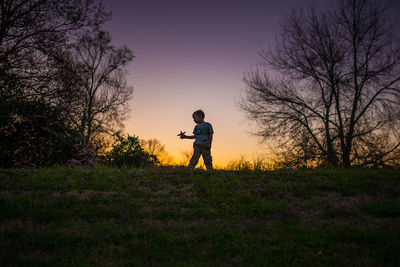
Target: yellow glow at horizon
168	110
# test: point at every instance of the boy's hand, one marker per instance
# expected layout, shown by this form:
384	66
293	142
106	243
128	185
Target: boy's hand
181	135
208	145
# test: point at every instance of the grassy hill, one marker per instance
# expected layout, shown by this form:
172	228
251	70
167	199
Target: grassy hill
171	216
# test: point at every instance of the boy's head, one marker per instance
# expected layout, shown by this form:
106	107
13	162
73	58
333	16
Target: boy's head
198	116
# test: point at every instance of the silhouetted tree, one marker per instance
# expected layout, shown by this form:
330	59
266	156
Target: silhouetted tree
30	32
92	79
33	134
34	130
330	86
129	152
154	147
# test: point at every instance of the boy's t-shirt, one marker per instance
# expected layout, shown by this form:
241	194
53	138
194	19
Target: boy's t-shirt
202	132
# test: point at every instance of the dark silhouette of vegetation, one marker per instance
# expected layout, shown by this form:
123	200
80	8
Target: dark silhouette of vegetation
31	32
62	82
98	94
329	90
33	134
154	147
129	152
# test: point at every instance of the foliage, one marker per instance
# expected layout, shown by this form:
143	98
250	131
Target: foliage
33	134
129	152
171	216
62	82
328	91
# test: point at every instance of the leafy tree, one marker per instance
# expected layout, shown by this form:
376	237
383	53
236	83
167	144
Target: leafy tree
34	135
36	128
129	152
330	88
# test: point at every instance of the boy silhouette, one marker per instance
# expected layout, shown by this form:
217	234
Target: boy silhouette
203	133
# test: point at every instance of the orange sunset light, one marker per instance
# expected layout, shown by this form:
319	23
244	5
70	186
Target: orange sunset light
192	55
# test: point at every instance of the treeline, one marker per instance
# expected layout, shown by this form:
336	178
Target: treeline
63	90
328	90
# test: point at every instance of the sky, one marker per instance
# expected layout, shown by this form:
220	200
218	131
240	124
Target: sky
192	54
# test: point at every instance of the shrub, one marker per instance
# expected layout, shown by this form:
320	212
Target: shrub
129	152
33	134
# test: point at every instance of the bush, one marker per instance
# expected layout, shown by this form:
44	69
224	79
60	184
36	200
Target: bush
33	134
129	152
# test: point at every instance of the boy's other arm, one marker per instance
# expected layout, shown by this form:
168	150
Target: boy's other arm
210	138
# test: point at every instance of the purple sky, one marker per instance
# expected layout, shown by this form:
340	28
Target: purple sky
192	54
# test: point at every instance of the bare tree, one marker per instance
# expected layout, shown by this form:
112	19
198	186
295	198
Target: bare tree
331	85
92	78
30	30
33	131
154	147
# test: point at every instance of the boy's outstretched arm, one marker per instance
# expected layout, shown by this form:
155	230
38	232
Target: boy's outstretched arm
189	137
184	136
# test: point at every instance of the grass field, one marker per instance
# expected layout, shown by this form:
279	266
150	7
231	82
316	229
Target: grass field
174	217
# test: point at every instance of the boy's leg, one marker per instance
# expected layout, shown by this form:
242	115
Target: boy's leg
207	158
195	158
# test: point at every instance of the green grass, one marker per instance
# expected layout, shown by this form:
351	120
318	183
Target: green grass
175	217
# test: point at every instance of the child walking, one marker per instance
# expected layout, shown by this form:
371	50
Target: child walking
203	133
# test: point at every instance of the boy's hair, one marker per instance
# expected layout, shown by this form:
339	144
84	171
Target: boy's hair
199	113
